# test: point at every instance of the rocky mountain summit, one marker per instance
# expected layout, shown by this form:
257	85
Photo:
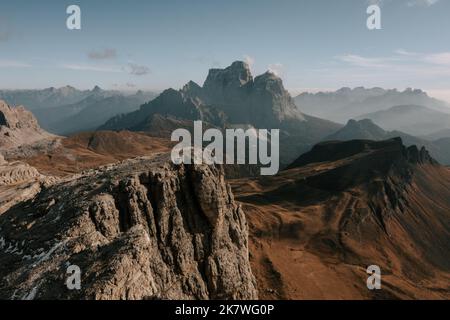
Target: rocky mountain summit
20	132
229	95
139	229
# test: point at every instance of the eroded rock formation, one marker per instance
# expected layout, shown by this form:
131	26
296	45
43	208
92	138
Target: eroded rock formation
140	229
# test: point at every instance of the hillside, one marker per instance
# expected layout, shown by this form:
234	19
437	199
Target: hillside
317	226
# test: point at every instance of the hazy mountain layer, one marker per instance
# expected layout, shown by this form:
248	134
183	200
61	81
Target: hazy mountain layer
346	103
412	119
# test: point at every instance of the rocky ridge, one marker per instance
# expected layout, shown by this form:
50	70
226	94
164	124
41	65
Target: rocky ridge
139	229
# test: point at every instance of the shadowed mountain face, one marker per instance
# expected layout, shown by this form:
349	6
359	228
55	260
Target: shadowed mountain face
366	129
346	103
342	207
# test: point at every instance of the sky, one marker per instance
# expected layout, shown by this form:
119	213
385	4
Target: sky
312	45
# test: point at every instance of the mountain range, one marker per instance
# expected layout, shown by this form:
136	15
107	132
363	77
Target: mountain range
231	97
68	110
346	103
412	119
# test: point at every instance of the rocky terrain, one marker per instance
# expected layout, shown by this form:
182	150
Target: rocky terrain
343	206
18	182
139	229
20	133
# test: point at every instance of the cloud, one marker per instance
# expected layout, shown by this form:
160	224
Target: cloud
84	67
360	61
438	58
138	70
249	60
276	69
13	64
103	54
403	52
422	3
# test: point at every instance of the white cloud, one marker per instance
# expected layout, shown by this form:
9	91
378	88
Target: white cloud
276	69
401	58
13	64
403	52
438	58
249	60
84	67
422	3
138	70
366	62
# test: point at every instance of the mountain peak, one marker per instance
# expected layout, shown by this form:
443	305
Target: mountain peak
359	129
236	75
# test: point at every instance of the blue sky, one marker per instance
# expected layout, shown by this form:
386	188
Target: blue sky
312	44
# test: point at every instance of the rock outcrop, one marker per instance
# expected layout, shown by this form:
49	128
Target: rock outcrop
140	229
20	133
18	182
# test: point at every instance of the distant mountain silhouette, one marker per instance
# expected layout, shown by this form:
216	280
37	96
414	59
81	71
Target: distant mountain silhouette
68	110
346	103
413	119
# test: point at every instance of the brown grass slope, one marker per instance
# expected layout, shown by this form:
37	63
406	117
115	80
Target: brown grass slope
315	228
91	149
